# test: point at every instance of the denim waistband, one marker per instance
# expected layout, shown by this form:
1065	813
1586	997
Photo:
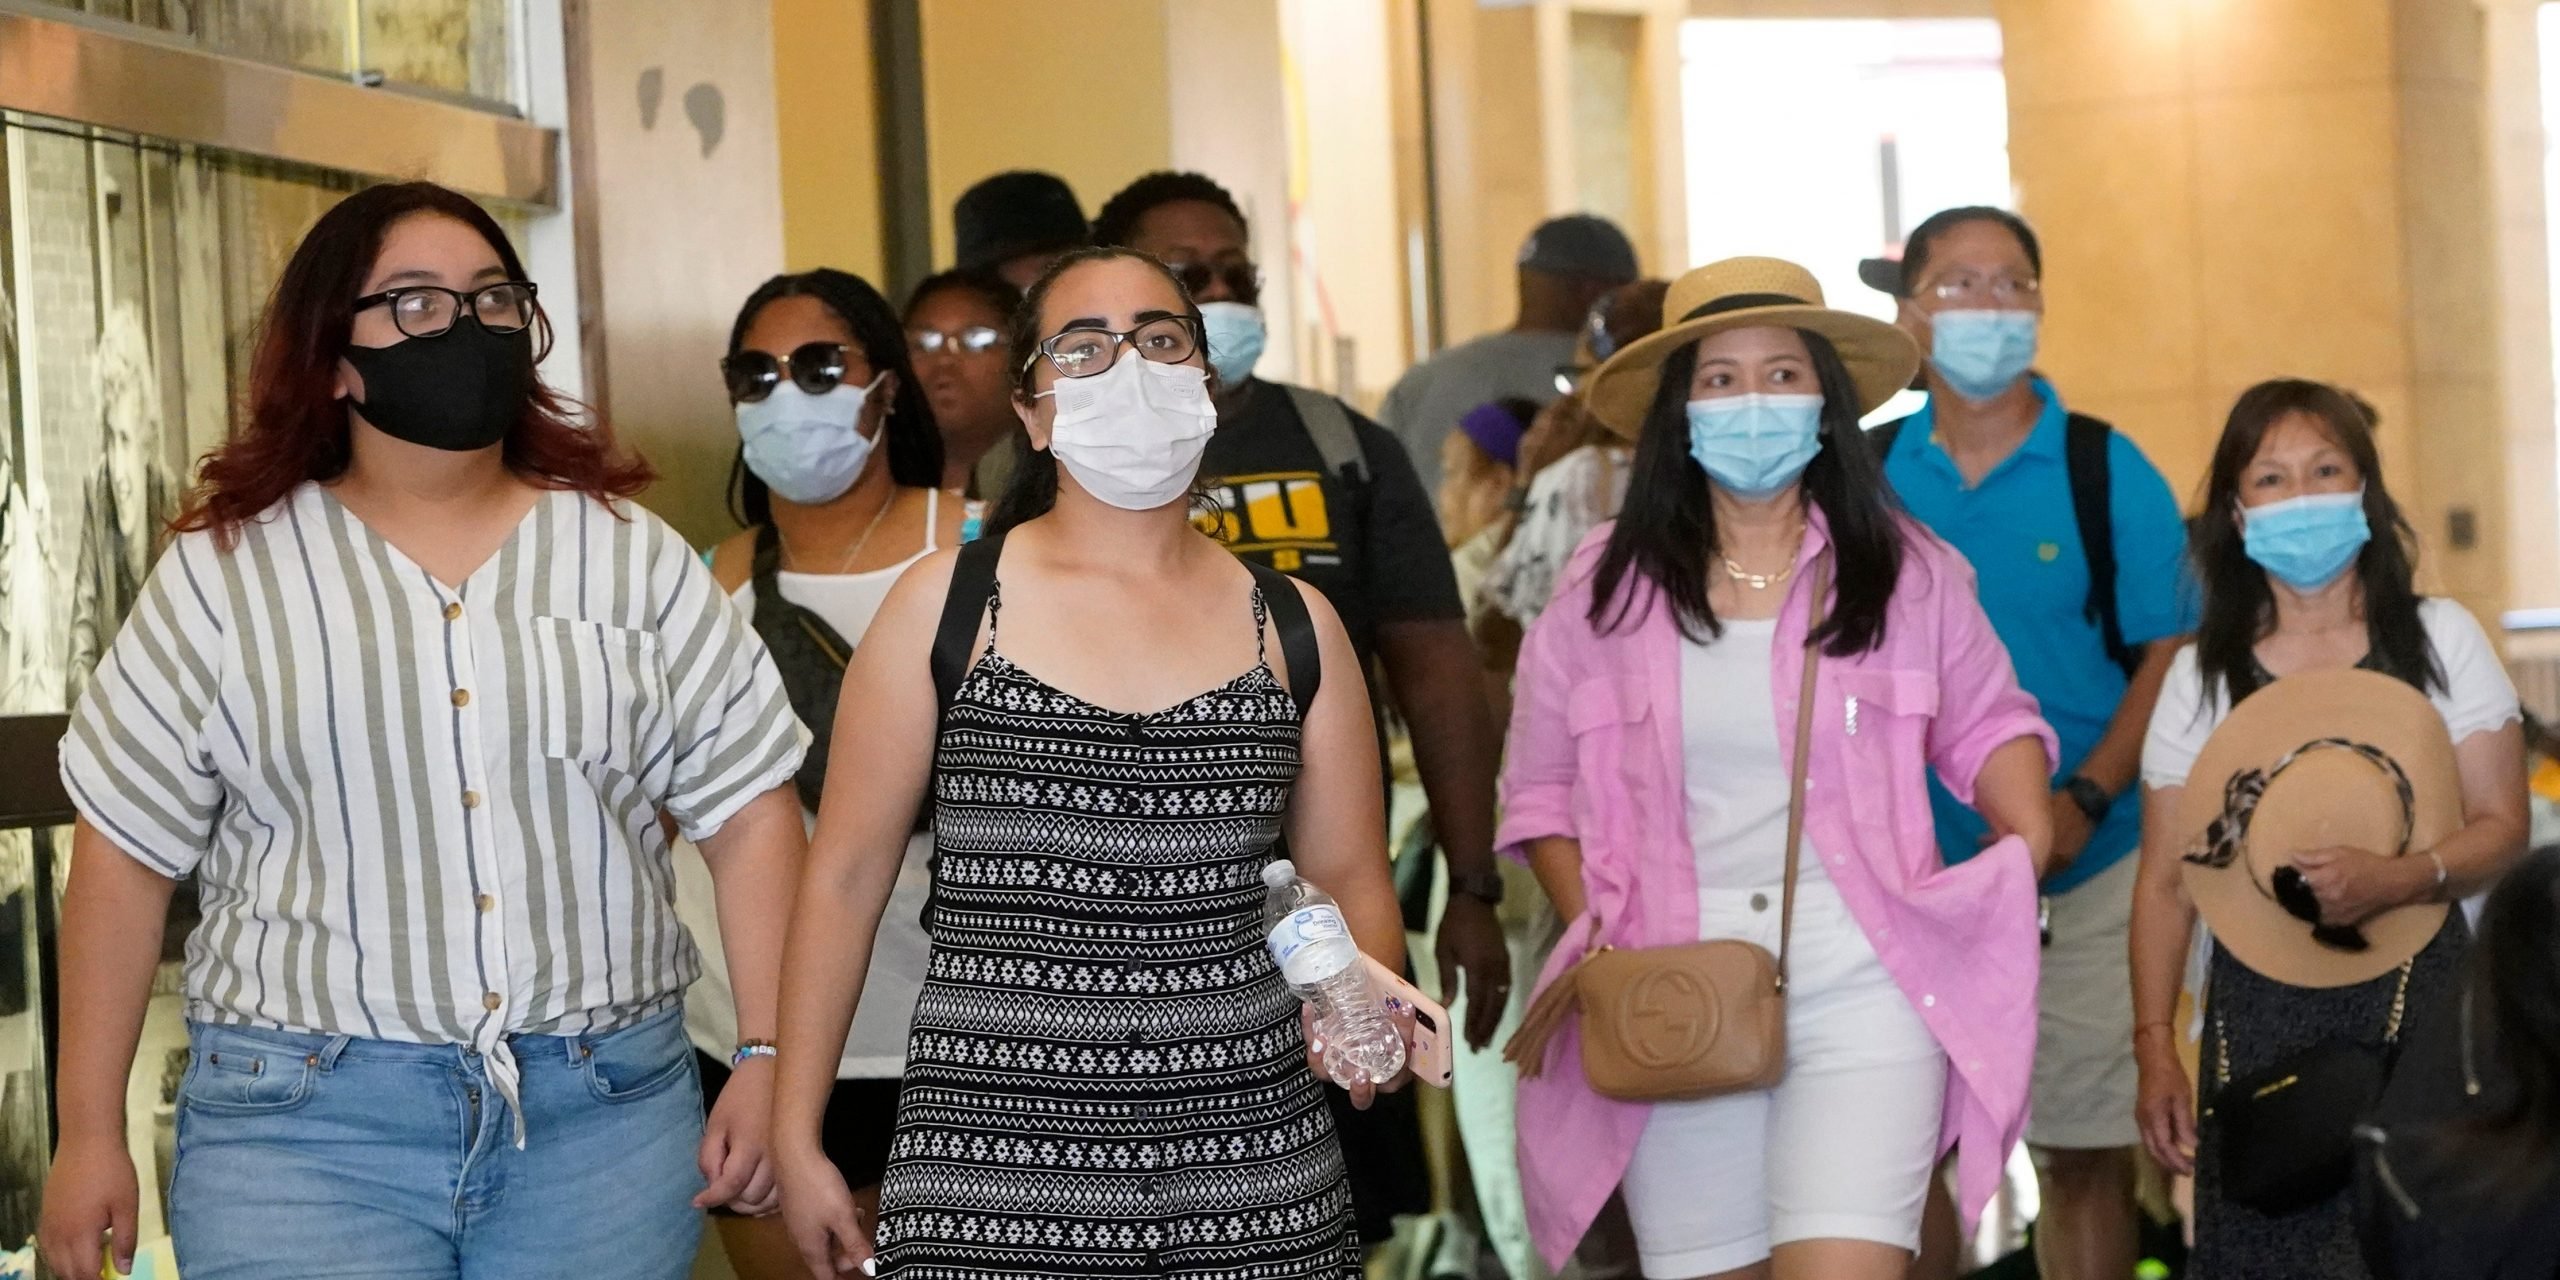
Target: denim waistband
327	1049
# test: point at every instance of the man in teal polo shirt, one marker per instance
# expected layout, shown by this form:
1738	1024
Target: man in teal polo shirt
1989	465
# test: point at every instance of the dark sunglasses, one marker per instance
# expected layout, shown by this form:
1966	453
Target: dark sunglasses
816	368
1242	278
2294	894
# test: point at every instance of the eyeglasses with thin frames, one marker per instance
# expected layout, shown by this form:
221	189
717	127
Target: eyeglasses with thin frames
1966	288
1082	353
976	340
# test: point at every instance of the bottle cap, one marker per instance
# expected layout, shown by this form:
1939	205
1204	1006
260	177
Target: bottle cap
1278	872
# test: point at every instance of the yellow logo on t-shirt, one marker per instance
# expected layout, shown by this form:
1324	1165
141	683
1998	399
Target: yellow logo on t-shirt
2048	551
1282	513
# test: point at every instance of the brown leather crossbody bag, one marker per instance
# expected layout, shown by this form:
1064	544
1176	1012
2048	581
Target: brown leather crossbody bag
1694	1020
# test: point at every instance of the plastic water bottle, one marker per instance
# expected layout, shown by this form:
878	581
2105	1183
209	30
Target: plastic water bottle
1317	958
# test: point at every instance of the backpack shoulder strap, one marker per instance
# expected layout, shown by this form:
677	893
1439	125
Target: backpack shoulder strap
973	583
2085	447
1297	634
1882	435
1330	423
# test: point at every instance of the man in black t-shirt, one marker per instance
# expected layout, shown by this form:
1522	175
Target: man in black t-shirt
1311	488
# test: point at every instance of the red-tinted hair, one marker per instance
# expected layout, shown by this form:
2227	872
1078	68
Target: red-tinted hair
296	427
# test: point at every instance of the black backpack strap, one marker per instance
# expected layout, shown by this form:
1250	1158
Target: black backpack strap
1297	631
1883	435
2085	448
973	583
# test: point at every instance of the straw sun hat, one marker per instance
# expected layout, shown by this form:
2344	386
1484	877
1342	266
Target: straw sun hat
2333	758
1743	293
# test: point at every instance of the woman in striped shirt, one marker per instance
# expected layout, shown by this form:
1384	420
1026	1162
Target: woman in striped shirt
408	694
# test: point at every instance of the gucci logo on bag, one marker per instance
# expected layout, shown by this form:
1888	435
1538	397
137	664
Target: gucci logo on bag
1671	1019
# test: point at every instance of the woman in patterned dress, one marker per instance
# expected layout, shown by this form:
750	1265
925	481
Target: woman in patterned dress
1106	1076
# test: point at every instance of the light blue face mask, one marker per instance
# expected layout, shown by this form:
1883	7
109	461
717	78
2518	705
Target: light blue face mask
1755	445
1236	334
808	449
1982	353
2306	542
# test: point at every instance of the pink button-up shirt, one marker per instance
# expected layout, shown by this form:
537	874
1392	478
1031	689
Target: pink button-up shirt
1595	756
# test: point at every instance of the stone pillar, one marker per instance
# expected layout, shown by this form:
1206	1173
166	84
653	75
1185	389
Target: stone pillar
2233	190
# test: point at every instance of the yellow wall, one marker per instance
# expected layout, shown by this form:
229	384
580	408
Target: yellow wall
1003	80
826	120
2234	190
680	236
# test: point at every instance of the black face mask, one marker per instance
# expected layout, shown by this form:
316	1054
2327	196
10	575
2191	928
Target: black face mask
463	389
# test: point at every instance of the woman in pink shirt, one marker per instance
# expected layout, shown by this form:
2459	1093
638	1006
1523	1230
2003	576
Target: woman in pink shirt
1648	784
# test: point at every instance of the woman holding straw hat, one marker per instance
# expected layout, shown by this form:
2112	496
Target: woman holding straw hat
1760	591
2372	773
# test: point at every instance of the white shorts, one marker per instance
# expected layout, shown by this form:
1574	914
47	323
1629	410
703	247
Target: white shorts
2084	1085
1842	1149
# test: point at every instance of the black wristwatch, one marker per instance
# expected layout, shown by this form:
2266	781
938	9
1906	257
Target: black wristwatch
1484	886
2092	798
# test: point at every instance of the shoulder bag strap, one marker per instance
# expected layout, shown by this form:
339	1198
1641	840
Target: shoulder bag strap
973	582
1821	585
1297	632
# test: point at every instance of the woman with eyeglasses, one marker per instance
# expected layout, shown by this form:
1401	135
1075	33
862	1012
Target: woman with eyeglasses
412	694
2307	566
956	326
1118	723
838	482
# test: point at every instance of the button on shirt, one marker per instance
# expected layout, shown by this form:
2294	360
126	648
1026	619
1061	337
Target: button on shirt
2018	529
422	813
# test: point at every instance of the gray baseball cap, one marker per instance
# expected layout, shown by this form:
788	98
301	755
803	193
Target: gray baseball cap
1580	244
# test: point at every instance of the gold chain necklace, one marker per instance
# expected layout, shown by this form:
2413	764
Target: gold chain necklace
1764	581
1756	581
858	543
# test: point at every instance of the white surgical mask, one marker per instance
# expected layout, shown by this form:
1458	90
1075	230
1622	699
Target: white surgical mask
808	449
1133	434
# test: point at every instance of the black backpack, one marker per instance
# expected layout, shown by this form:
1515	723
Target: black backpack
2084	453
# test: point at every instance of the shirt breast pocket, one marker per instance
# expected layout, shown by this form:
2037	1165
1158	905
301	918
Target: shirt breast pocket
1884	717
603	699
1606	717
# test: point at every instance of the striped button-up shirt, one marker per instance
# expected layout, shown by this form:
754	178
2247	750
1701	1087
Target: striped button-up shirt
426	813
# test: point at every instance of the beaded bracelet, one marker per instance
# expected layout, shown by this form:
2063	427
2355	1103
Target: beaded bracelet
752	1049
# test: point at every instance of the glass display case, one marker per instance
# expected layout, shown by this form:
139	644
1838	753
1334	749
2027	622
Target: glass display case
467	49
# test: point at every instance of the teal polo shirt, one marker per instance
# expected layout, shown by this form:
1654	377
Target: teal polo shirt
2018	529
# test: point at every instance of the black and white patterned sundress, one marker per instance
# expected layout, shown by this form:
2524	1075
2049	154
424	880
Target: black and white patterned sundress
1105	1075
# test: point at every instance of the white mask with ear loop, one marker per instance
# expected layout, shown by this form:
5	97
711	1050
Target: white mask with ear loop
1133	434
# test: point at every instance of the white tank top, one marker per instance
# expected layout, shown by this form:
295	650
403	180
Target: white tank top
877	1046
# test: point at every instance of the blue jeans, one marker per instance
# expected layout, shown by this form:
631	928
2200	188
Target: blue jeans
305	1156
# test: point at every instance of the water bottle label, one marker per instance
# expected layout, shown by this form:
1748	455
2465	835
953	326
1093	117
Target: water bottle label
1298	944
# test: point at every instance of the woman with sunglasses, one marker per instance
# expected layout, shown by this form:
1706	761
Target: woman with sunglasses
838	480
409	694
1107	1076
2306	565
955	337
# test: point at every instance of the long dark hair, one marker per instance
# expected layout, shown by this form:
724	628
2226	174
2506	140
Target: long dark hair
915	444
2512	1004
1034	488
2239	606
1666	532
295	428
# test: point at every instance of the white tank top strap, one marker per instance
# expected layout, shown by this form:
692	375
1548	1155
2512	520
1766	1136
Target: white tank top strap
932	520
